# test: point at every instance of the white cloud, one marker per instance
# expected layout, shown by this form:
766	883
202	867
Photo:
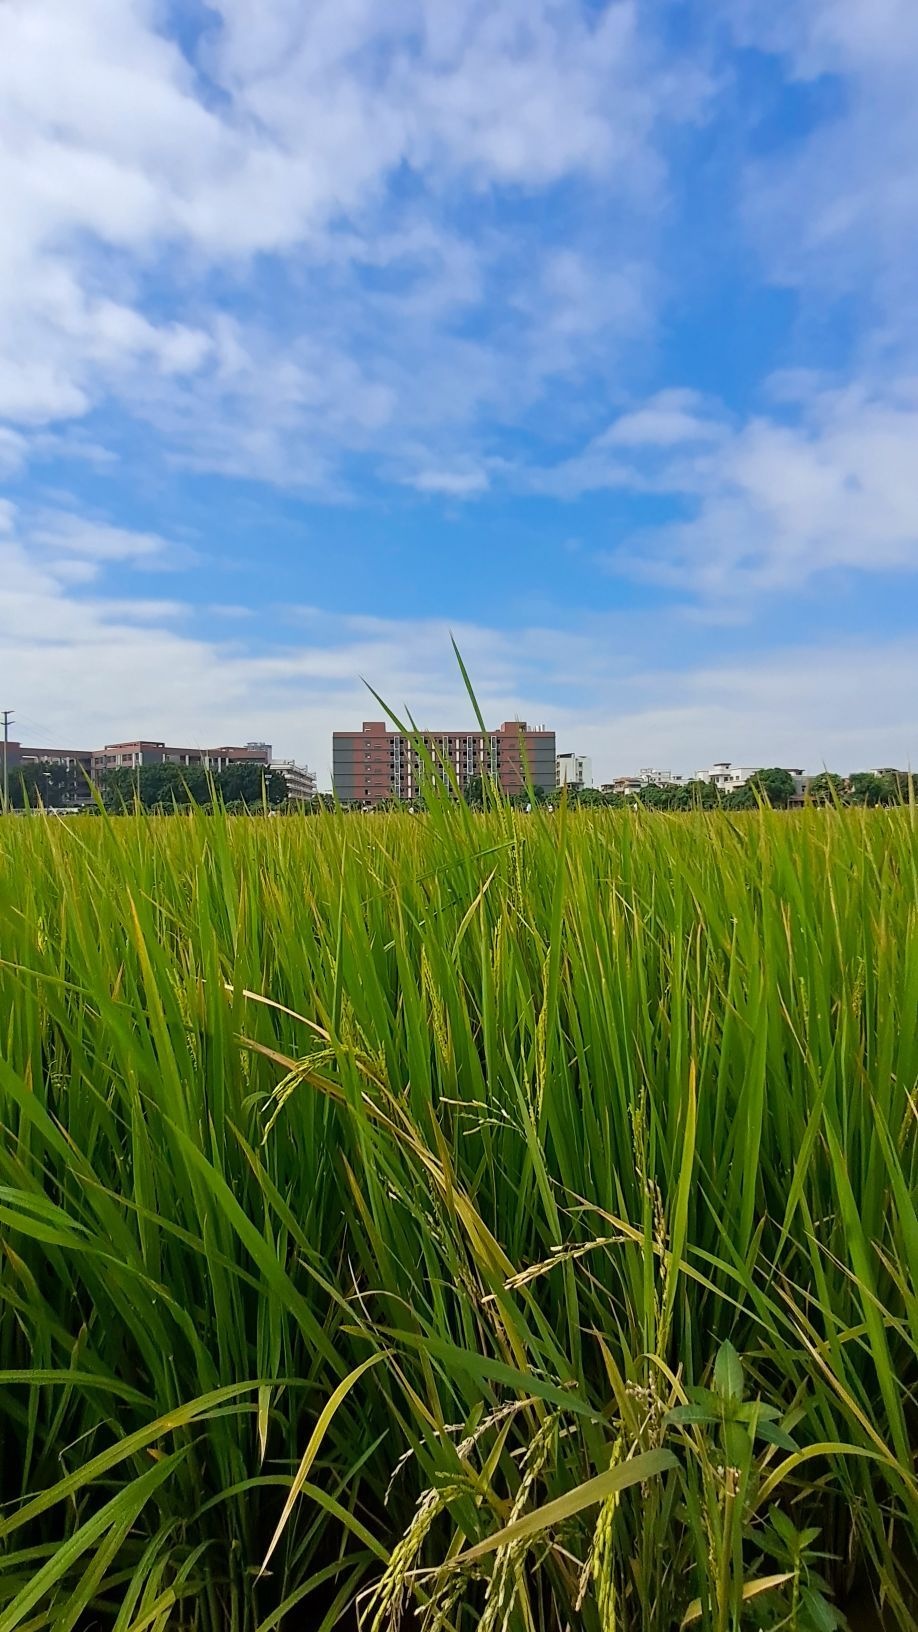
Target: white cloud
673	418
92	541
831	36
95	668
772	502
657	446
835	211
455	484
779	503
62	547
845	705
13	451
524	91
129	171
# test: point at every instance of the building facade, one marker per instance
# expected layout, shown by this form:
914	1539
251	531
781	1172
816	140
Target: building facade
573	771
132	756
300	780
74	767
85	766
69	759
631	786
375	764
727	777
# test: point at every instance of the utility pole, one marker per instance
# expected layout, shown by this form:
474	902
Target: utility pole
7	717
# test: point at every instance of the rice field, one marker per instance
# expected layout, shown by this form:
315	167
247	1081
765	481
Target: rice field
459	1221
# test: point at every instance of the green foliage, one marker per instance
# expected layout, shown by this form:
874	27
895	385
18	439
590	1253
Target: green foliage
243	784
828	788
864	788
772	786
33	786
509	1218
249	784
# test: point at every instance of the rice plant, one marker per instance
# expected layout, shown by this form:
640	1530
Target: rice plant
458	1220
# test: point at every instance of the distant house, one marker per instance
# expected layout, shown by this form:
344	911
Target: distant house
726	776
630	786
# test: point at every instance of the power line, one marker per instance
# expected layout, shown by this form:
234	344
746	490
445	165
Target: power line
41	733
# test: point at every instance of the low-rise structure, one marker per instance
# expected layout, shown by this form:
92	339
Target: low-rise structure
573	771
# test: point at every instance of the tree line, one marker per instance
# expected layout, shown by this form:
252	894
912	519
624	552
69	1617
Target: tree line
773	786
250	785
153	787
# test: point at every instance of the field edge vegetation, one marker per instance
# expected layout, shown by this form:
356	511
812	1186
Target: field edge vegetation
485	1219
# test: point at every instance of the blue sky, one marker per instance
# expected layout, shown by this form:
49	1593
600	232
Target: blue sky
586	331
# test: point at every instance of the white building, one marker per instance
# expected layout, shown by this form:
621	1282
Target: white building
660	779
726	776
626	786
573	771
631	786
301	782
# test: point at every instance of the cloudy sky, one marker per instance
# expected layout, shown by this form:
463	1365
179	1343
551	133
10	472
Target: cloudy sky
586	331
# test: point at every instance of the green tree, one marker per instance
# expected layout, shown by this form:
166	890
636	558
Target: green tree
655	797
773	786
828	788
894	788
703	795
864	788
666	796
32	786
164	786
120	788
248	783
743	798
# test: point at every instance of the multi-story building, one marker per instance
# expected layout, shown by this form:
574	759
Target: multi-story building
645	778
727	777
133	755
573	771
374	763
87	765
300	780
70	759
74	787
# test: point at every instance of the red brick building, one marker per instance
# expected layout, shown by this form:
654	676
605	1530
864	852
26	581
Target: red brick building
374	763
